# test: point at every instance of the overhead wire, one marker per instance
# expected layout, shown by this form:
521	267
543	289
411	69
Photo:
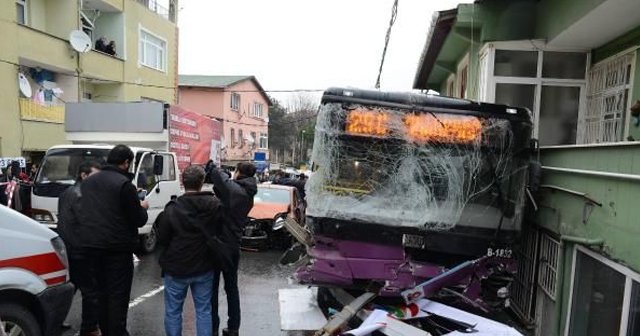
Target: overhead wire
163	86
394	16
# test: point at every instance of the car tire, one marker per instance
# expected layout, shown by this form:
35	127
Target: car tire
148	242
19	320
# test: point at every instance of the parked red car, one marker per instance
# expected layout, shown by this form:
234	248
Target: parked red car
272	204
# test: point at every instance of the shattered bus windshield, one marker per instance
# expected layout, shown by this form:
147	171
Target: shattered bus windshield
416	169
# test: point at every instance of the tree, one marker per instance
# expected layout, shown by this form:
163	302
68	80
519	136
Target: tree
286	126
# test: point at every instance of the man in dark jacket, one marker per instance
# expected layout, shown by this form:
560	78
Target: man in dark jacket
186	260
112	214
237	199
69	220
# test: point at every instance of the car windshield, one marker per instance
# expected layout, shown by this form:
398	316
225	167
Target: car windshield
272	195
61	165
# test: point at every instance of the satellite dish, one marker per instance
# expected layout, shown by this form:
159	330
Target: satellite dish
80	41
25	87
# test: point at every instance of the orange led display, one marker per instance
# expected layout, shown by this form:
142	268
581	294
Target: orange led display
446	128
367	122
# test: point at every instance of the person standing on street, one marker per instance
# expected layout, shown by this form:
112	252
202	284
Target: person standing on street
186	259
237	200
69	220
112	215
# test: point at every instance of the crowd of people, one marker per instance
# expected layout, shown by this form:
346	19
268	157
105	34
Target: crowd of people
199	233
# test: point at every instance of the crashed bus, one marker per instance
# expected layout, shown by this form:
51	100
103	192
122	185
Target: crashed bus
416	197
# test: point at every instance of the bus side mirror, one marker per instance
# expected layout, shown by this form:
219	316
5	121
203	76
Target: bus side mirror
158	164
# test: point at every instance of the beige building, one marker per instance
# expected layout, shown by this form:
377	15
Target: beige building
35	43
240	103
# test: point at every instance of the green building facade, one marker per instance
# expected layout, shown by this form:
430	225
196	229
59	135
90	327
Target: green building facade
575	65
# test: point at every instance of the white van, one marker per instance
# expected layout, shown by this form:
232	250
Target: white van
35	292
155	172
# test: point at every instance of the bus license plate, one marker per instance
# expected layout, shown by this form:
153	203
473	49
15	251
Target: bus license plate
413	241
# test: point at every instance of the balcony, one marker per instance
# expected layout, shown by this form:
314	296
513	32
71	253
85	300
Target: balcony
154	6
103	5
100	66
51	113
42	48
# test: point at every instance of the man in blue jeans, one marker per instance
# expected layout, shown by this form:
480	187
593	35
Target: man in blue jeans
236	196
186	261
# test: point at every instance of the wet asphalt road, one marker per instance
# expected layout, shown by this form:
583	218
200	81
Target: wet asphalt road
260	277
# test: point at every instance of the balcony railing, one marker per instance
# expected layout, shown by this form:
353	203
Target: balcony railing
31	110
154	6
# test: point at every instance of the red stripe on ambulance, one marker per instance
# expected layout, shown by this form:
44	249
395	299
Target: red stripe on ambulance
39	264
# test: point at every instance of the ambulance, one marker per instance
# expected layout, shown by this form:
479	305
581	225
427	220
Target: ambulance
35	292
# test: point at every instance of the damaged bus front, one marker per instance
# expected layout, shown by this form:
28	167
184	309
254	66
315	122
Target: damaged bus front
416	196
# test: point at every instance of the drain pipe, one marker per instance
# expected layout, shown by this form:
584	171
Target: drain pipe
582	240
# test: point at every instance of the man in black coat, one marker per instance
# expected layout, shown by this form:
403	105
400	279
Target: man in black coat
112	215
69	220
186	260
237	199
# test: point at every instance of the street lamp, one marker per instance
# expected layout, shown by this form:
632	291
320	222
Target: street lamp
302	156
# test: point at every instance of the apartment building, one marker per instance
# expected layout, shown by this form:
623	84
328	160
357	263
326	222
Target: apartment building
142	64
240	103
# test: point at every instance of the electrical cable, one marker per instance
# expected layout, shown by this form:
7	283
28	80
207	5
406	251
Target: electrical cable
394	15
165	86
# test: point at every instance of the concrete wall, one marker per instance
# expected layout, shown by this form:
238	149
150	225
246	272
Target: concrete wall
203	100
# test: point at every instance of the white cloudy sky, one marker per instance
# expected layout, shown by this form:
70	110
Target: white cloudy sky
305	44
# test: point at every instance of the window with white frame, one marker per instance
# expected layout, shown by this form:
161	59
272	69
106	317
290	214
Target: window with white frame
235	101
21	11
232	136
257	110
607	100
605	297
264	140
552	84
153	51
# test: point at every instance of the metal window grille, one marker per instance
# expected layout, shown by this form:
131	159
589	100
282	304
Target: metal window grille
548	266
607	96
523	287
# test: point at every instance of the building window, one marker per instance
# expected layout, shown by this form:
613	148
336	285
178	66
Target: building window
451	86
233	138
253	140
257	110
607	100
235	101
153	51
264	140
21	12
548	267
551	84
240	139
605	297
462	83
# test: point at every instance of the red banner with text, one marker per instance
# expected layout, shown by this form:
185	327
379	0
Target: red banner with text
194	138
